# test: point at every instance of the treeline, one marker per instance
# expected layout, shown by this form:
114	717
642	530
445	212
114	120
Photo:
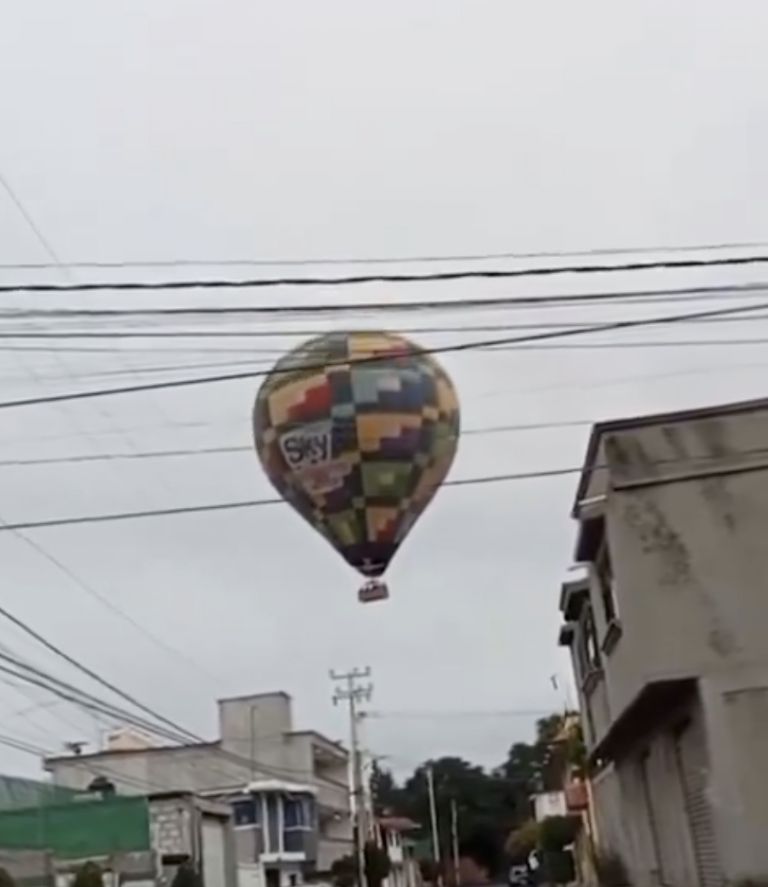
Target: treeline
497	801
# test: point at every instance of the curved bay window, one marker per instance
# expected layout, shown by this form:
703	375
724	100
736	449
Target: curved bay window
298	821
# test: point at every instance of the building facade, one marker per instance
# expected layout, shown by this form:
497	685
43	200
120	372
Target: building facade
393	834
136	841
288	788
666	622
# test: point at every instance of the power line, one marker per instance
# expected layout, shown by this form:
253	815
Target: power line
293	333
234	351
33	226
38	678
662	343
24	691
580	384
180	367
106	707
23	746
106	602
133	515
154	349
380	260
441	349
255	503
585	346
616	296
354	280
95	676
222	450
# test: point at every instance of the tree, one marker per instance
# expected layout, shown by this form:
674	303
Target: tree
541	766
386	794
377	864
484	801
344	871
558	832
88	875
522	841
497	802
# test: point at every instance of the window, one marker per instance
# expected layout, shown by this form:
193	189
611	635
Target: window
298	818
297	812
246	812
589	651
607	582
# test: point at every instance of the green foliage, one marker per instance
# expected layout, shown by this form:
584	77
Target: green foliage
522	841
496	802
386	794
484	801
541	766
88	875
558	832
575	749
6	879
556	867
344	871
377	864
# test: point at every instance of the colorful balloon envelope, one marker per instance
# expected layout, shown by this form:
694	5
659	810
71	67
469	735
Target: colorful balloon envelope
357	431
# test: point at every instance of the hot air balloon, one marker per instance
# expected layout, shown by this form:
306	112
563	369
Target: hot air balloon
357	430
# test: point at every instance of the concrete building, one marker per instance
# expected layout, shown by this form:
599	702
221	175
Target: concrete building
188	828
137	841
667	625
288	788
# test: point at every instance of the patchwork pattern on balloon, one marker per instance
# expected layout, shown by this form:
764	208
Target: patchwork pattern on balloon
357	431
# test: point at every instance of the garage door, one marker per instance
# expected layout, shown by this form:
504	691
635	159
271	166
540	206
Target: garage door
214	855
692	761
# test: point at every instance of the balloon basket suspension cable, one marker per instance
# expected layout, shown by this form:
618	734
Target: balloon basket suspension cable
373	590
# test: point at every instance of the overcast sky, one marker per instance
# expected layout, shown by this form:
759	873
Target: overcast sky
159	129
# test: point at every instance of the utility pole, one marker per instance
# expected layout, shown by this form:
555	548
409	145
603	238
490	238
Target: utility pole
433	820
349	690
367	789
253	710
455	840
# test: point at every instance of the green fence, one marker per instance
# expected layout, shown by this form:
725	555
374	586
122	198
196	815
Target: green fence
78	829
16	792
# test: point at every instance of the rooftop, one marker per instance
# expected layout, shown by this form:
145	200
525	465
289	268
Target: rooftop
398	823
123	752
592	465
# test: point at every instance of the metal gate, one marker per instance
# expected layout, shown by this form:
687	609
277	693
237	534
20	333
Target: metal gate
693	767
